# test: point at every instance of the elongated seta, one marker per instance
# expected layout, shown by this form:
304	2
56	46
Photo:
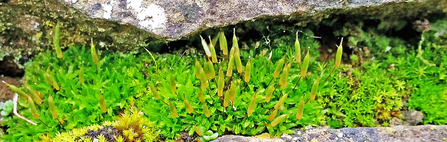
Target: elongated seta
297	49
339	53
205	47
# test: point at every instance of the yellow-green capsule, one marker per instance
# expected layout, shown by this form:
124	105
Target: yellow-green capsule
305	65
154	91
339	53
299	112
273	115
230	64
247	71
209	70
237	59
281	101
81	74
52	106
252	105
226	99
33	95
33	108
198	131
198	68
220	83
201	97
172	109
235	44
94	55
297	50
269	93
206	110
223	43
56	38
205	47
203	79
188	106
50	80
232	91
313	92
213	51
284	75
279	119
102	102
17	90
172	83
279	66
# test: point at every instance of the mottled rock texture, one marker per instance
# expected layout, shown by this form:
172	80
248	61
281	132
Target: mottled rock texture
165	25
430	133
174	19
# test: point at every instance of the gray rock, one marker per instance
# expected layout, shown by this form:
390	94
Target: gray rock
395	122
413	117
174	19
373	134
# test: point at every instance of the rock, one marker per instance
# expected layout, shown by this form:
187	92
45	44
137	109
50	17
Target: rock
174	19
233	138
413	117
395	122
26	26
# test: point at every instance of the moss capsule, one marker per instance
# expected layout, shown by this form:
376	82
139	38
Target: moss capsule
233	91
154	91
206	110
172	109
252	105
209	70
33	108
247	71
203	79
94	55
299	112
52	106
226	99
273	115
213	51
269	93
197	69
237	59
279	66
205	47
297	49
220	83
33	95
223	43
50	80
102	102
56	38
313	92
284	75
305	65
339	53
279	119
200	95
230	64
188	106
198	131
281	101
17	90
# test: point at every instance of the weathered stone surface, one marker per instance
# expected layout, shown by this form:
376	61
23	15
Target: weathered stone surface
374	134
174	19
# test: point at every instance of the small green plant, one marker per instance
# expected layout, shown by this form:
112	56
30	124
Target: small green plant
6	108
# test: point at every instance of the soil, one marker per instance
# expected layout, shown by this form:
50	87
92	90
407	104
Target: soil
5	92
108	132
